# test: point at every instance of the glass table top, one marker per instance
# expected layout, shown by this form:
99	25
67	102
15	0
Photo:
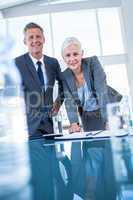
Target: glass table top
78	170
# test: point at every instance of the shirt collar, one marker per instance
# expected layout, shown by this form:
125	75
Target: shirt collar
34	60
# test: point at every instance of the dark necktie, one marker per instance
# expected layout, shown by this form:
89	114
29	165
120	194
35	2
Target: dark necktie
40	73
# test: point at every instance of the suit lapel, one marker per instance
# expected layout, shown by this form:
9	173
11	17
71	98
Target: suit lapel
32	69
50	73
47	69
87	72
71	84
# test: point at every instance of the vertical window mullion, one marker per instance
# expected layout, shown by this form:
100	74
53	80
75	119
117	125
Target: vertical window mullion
122	29
52	35
7	27
99	32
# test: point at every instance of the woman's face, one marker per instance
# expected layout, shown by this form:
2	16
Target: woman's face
72	56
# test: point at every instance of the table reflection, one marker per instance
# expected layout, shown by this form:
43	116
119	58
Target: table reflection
71	170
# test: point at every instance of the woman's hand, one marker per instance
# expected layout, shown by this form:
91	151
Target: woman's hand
74	127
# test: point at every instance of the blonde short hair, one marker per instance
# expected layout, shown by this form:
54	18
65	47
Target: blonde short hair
68	41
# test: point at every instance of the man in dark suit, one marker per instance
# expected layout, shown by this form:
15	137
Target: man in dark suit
39	73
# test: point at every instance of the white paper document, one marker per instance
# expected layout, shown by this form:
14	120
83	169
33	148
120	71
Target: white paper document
91	135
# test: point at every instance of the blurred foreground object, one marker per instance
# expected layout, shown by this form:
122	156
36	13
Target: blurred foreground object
14	160
120	121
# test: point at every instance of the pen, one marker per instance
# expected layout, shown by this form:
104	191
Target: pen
95	133
89	134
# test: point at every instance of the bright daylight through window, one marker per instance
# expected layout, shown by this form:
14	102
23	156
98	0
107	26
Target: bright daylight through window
99	31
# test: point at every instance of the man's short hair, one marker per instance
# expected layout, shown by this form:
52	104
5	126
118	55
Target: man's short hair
32	25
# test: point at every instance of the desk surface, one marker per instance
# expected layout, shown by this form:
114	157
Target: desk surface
73	170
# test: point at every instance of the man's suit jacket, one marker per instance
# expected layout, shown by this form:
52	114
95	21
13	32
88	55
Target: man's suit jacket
98	81
38	101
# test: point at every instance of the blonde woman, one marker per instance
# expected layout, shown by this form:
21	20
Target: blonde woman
85	88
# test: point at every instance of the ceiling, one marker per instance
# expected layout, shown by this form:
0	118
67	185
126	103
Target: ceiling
6	3
16	8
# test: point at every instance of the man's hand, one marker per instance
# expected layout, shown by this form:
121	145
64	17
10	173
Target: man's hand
55	108
74	127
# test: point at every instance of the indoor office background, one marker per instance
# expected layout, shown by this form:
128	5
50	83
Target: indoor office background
99	25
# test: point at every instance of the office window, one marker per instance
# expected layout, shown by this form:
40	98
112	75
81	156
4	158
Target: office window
80	24
117	77
110	31
99	31
3	28
15	29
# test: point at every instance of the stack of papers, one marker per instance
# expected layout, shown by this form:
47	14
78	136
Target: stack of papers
91	135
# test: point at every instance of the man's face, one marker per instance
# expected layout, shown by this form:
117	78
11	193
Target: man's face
34	39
